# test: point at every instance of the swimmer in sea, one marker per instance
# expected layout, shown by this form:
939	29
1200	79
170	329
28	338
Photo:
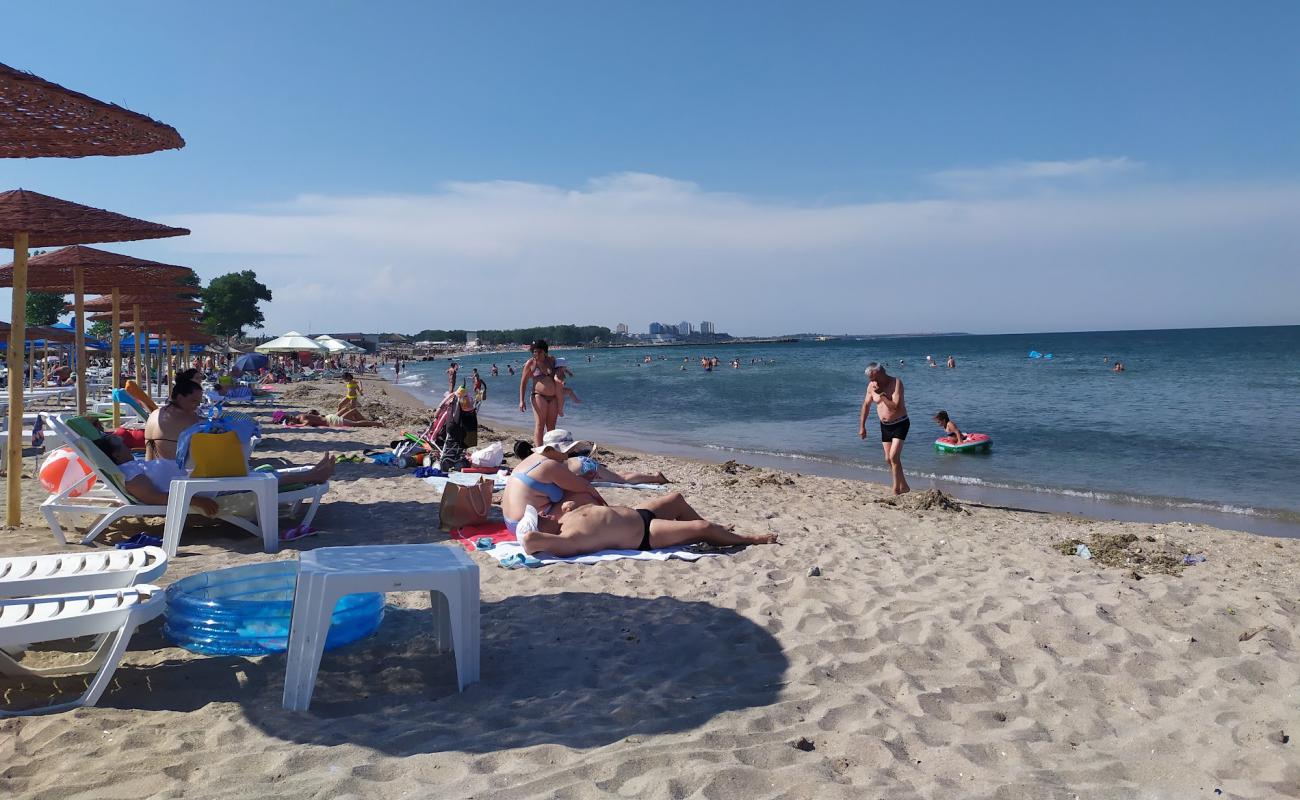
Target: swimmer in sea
952	363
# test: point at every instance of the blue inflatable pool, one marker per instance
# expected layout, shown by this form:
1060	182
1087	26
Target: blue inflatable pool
245	611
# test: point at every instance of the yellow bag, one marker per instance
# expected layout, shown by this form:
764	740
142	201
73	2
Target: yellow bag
217	455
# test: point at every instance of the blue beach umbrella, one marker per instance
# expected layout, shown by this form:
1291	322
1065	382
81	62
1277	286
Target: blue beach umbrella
252	362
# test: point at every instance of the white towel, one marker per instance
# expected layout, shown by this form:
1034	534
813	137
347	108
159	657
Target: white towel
645	487
508	550
467	479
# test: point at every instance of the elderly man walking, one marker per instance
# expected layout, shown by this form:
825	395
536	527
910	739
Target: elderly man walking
886	392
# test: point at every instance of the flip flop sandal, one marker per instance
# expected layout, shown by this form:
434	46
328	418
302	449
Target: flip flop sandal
138	541
300	532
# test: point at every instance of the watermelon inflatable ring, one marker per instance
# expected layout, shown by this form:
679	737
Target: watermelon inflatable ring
974	443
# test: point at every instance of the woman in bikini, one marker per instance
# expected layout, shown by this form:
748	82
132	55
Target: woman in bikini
168	422
540	369
544	482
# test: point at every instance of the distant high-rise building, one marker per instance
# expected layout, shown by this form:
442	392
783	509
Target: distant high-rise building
656	327
707	328
684	329
621	329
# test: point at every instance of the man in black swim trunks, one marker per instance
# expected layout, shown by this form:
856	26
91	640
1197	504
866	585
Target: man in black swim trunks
665	521
886	392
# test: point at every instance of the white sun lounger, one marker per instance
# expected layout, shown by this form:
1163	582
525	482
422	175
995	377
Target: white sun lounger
26	576
110	501
110	614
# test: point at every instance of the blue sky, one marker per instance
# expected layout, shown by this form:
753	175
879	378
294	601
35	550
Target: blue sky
768	165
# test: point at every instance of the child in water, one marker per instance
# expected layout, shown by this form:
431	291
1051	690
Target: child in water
562	374
949	427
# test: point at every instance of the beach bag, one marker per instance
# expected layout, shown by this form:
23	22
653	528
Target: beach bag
490	456
212	449
464	505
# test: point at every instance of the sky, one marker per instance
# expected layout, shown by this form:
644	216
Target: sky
837	167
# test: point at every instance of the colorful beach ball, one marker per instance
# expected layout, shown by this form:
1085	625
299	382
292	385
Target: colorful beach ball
64	468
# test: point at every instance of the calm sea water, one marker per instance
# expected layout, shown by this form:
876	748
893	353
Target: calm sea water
1202	420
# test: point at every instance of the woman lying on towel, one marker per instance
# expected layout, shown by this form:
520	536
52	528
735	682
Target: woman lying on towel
543	481
665	521
584	466
314	419
150	481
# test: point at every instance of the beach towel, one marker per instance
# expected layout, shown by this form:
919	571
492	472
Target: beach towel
645	487
440	482
510	554
493	529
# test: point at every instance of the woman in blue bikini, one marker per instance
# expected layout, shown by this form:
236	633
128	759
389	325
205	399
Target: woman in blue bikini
544	482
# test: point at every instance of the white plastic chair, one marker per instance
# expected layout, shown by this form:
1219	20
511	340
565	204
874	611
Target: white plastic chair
111	614
326	574
110	501
25	576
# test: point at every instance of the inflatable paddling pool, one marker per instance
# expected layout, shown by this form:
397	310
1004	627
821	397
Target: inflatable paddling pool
975	443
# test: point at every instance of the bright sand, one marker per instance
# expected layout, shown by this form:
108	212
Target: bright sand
939	654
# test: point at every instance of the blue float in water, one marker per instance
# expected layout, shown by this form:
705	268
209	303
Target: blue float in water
245	611
1035	354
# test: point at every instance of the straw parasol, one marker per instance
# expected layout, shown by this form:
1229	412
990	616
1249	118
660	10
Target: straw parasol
79	269
31	219
40	118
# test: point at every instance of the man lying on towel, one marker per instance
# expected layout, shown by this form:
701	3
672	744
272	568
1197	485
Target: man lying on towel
665	521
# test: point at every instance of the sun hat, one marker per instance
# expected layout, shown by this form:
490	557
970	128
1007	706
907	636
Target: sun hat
563	441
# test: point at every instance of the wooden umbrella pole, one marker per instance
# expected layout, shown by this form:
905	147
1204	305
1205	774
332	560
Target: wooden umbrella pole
185	355
135	324
117	354
14	446
147	355
79	301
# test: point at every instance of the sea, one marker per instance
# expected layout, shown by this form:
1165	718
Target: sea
1202	426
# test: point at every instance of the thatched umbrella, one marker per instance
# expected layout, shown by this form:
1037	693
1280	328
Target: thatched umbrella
164	315
30	219
79	269
39	118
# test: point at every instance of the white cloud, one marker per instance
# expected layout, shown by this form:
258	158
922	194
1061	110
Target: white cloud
1020	174
635	248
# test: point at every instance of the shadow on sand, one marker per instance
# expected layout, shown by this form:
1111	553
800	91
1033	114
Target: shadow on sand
576	669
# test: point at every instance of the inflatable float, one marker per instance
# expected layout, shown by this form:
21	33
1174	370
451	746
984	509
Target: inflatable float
974	443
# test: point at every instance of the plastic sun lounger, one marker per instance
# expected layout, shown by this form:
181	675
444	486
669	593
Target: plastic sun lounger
111	615
24	576
110	501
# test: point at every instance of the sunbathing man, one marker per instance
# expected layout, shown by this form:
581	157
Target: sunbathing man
543	482
665	521
149	481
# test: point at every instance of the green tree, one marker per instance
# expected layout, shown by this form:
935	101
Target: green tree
230	303
99	330
43	308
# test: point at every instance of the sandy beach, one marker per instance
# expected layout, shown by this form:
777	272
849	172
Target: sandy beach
919	649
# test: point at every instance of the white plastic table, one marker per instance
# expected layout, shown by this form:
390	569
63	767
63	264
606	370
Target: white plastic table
326	574
263	484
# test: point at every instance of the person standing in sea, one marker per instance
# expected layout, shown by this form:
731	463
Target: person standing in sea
451	376
886	392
